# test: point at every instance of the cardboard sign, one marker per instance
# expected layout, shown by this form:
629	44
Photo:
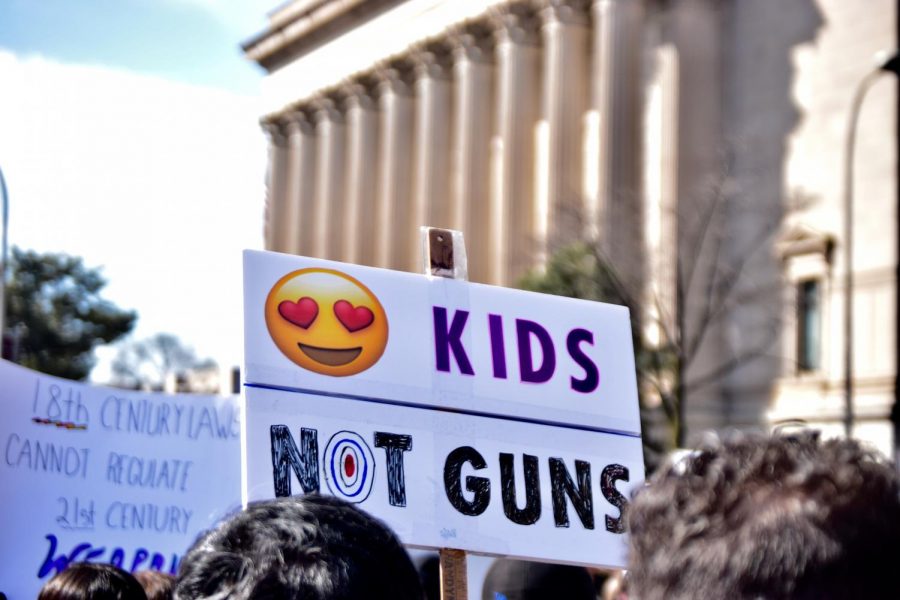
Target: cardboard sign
359	332
105	475
466	416
452	480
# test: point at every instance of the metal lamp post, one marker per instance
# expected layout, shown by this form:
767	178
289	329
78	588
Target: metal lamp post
890	64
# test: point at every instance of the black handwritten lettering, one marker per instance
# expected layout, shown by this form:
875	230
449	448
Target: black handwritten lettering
394	446
609	476
126	516
46	457
60	404
161	418
154	473
480	487
532	511
562	486
286	457
76	513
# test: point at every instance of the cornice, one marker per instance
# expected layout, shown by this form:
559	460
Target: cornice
292	33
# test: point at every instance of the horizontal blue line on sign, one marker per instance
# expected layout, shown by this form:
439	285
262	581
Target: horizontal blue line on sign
474	413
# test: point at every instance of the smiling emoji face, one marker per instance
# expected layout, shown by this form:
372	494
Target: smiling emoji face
326	322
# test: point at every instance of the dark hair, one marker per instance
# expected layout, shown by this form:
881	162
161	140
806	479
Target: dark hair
92	581
768	517
157	585
525	580
311	547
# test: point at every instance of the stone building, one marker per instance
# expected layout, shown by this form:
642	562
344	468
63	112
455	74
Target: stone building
698	142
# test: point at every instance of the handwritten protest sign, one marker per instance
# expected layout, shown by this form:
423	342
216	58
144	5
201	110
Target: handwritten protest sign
449	480
107	475
466	416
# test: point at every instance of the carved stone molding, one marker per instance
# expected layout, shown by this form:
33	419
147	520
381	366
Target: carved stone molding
395	78
472	42
327	107
274	129
359	94
517	23
297	121
566	12
432	61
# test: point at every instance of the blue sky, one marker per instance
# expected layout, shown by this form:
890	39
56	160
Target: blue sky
129	136
191	41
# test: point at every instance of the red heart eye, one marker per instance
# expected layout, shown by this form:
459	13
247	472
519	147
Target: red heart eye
301	313
353	319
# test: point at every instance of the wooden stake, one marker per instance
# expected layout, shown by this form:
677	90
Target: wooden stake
454	585
444	255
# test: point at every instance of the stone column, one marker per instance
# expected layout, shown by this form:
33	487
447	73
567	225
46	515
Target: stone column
517	112
329	213
362	152
473	72
696	31
301	148
431	197
275	177
565	34
395	172
616	99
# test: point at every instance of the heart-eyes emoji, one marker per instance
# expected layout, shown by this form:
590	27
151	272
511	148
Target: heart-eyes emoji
326	322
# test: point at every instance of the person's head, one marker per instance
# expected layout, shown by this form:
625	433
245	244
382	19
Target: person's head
767	517
157	585
92	581
312	547
523	580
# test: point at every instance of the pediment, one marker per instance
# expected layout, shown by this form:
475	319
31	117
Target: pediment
801	239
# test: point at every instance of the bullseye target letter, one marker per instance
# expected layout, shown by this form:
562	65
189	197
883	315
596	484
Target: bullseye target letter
350	466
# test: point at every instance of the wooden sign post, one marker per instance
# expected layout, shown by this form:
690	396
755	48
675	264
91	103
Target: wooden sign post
444	255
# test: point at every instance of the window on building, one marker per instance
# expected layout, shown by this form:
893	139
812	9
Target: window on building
809	324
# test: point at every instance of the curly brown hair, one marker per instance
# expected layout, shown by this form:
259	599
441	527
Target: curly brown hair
775	517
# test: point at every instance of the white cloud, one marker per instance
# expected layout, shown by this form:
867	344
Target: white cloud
161	183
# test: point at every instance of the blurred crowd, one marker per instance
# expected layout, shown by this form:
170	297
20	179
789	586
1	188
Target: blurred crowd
742	517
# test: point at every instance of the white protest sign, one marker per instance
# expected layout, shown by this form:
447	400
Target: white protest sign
437	342
449	480
100	474
466	416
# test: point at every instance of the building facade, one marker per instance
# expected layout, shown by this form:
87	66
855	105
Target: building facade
697	143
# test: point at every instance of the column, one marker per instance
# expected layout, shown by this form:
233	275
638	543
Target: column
517	113
473	72
616	99
395	172
329	211
694	26
274	213
659	186
362	148
565	35
431	198
301	152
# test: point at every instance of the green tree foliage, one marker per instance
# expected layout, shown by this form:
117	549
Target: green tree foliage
577	271
55	310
